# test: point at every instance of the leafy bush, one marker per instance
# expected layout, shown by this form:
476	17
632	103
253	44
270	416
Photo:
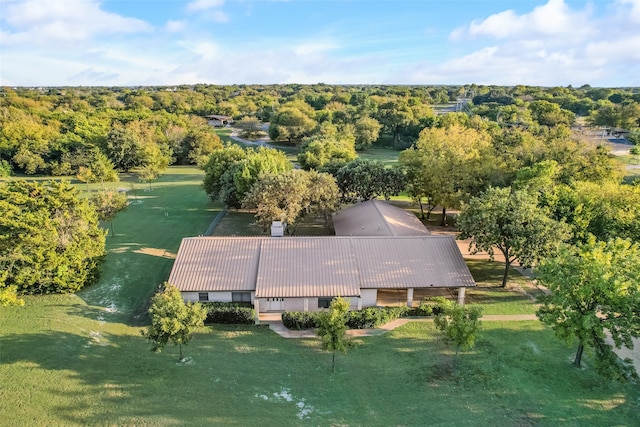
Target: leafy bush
5	169
229	313
372	317
301	320
428	307
367	318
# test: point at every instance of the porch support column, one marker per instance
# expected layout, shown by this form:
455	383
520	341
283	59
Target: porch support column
410	297
306	304
461	292
359	303
256	309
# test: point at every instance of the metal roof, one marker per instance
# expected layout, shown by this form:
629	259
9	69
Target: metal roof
410	262
298	267
216	264
377	218
289	267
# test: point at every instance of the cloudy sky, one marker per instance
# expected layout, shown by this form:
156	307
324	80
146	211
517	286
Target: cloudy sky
168	42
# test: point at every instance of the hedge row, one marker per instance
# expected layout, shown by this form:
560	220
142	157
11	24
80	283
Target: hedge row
367	318
229	313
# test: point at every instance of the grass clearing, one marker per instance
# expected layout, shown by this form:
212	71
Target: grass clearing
68	360
71	368
242	223
147	237
384	155
519	297
225	135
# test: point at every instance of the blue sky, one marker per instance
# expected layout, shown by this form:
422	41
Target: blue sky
168	42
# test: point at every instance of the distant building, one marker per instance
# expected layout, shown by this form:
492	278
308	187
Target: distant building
219	121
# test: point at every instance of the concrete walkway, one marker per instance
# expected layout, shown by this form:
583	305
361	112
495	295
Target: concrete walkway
274	320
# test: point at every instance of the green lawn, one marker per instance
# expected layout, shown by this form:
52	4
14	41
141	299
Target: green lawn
147	236
519	297
225	135
64	363
384	155
242	223
70	360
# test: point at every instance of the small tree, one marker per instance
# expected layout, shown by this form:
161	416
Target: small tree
333	327
459	323
172	319
594	288
250	127
108	203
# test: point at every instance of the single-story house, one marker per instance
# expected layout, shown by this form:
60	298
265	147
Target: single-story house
305	273
383	255
219	121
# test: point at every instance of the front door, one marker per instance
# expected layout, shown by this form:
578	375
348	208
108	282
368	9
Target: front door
275	304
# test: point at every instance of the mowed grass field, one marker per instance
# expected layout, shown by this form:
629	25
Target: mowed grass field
69	360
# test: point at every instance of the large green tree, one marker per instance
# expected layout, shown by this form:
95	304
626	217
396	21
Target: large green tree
96	167
290	195
367	131
511	221
197	146
292	122
327	146
594	293
124	148
238	179
448	164
50	238
218	163
364	179
173	320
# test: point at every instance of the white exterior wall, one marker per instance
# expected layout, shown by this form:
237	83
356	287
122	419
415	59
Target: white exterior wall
369	297
213	296
297	304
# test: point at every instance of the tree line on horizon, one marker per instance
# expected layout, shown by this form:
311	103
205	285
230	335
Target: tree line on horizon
91	131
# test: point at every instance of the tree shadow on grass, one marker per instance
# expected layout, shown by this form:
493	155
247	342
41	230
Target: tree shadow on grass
245	375
521	373
100	378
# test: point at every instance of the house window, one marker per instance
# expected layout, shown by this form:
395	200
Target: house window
203	296
241	296
324	302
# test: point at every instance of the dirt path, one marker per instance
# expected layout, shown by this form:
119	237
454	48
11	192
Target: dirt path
262	142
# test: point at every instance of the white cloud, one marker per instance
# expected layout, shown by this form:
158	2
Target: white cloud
552	44
633	12
49	22
208	9
551	19
197	5
218	16
206	50
175	26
